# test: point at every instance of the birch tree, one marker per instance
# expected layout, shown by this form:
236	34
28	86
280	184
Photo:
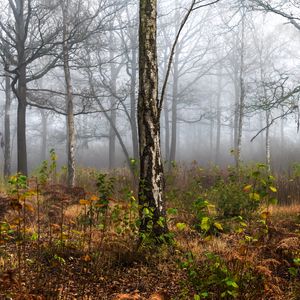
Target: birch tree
151	184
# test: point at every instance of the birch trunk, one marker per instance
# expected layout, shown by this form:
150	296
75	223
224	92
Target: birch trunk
174	111
151	182
242	94
69	99
268	148
44	136
113	113
218	137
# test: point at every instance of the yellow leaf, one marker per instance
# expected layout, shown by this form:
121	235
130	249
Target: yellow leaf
86	258
254	196
29	207
218	226
94	198
265	214
273	189
247	187
84	202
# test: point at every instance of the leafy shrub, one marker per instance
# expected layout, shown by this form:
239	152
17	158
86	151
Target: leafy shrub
206	218
241	194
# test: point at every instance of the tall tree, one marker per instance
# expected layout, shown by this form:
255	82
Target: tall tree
69	95
151	184
7	138
28	38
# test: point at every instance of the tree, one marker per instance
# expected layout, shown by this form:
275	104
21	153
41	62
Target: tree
7	139
151	184
69	94
287	9
22	43
151	181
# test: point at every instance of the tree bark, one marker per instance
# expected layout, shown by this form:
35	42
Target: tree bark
113	113
268	147
69	99
21	121
151	182
21	91
44	136
134	130
219	114
174	110
242	94
7	139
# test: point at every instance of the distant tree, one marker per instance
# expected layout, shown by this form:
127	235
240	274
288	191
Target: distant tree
24	40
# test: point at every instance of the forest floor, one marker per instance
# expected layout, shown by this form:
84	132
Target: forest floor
57	243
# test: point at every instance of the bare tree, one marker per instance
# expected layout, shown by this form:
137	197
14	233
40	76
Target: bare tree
28	39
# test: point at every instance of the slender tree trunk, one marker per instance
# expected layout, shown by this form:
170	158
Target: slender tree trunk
44	136
69	99
21	90
174	111
282	139
134	130
21	122
268	148
151	184
219	113
166	114
242	94
113	112
7	139
167	131
211	132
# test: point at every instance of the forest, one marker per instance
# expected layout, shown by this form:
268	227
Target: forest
149	149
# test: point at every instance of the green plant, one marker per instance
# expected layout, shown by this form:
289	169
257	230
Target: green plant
243	193
206	218
210	279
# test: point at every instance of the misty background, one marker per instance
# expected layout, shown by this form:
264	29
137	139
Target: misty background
219	46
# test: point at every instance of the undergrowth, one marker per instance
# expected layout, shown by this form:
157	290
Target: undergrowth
227	239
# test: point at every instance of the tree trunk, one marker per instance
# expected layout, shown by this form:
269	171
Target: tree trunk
7	144
21	91
151	183
134	130
44	136
268	148
242	94
113	113
69	99
174	111
167	131
218	137
21	121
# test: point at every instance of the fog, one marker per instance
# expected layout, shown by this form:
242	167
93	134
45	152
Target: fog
226	52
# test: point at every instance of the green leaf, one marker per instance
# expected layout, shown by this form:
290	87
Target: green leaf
293	271
205	223
273	189
273	201
254	196
232	284
181	226
296	261
172	211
